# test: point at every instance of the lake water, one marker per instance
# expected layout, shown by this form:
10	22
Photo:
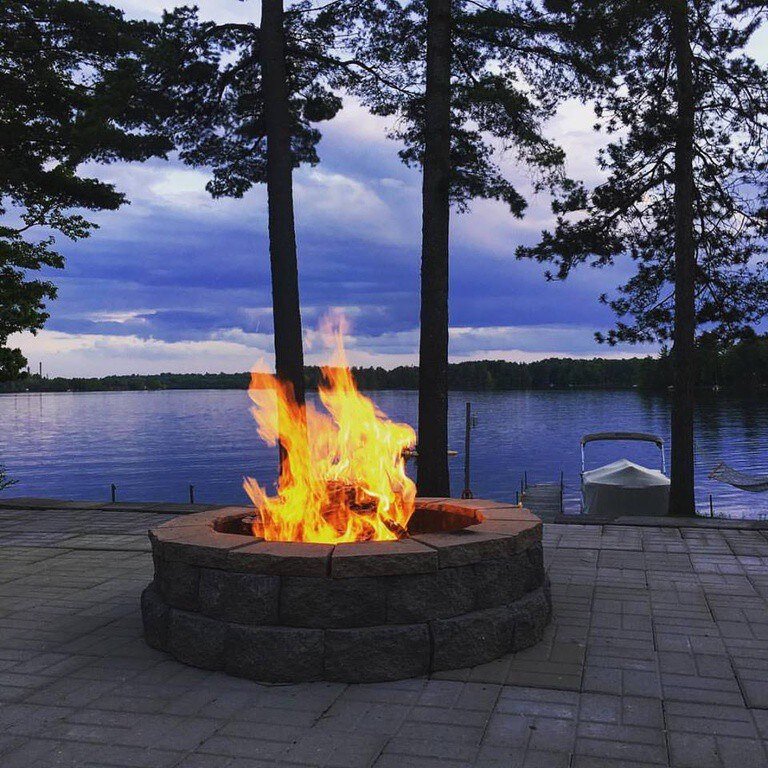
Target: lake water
152	445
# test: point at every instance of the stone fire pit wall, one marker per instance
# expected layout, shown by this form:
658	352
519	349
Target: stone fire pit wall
368	611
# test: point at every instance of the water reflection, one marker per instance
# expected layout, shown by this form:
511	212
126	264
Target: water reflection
153	444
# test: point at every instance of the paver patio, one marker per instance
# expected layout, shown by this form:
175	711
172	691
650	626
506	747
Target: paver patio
657	655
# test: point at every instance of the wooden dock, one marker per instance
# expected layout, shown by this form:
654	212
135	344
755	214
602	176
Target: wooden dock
544	500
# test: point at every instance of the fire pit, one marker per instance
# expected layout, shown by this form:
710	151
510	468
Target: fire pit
463	587
343	574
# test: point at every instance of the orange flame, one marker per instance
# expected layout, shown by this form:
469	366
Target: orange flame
342	475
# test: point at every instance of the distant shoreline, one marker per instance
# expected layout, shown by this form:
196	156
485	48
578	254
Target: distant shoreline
743	390
750	391
55	390
650	374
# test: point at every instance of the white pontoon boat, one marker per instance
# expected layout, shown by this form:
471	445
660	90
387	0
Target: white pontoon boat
623	487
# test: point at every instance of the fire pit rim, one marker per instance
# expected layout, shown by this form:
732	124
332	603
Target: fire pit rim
504	529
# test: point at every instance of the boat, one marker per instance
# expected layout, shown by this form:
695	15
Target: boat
624	488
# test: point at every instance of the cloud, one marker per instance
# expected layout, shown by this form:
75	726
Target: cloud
180	280
223	11
234	350
65	354
339	206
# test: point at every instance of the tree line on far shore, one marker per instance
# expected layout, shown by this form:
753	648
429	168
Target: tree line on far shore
743	366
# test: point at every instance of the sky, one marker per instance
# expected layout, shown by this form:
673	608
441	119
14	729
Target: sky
177	281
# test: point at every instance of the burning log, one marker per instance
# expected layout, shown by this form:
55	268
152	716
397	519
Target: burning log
343	495
345	500
347	482
399	530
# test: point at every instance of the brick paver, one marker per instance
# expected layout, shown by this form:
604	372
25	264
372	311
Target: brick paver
657	656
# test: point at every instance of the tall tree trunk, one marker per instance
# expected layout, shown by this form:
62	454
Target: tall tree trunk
432	476
683	352
286	313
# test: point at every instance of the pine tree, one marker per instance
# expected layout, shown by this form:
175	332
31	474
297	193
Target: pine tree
70	92
487	71
243	100
289	353
686	190
432	469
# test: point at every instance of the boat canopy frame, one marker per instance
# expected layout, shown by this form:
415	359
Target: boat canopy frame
645	437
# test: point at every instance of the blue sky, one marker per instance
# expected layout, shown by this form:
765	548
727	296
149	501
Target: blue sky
177	281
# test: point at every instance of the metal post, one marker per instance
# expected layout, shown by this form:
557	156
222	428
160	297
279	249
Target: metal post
467	492
711	506
191	493
562	490
113	488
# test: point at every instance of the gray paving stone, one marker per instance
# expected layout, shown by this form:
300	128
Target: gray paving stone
538	707
255	748
713	719
346	715
755	691
623	752
742	753
704	690
355	751
550	734
454	716
681	650
501	757
421	748
693	751
401	761
205	761
511	731
642	711
590	761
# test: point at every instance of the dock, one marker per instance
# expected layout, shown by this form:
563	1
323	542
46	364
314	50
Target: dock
544	500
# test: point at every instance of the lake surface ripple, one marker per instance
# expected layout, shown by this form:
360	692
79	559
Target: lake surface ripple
152	445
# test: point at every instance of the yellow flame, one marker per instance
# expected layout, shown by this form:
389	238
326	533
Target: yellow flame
342	475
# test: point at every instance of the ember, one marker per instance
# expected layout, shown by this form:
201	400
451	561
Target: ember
342	475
